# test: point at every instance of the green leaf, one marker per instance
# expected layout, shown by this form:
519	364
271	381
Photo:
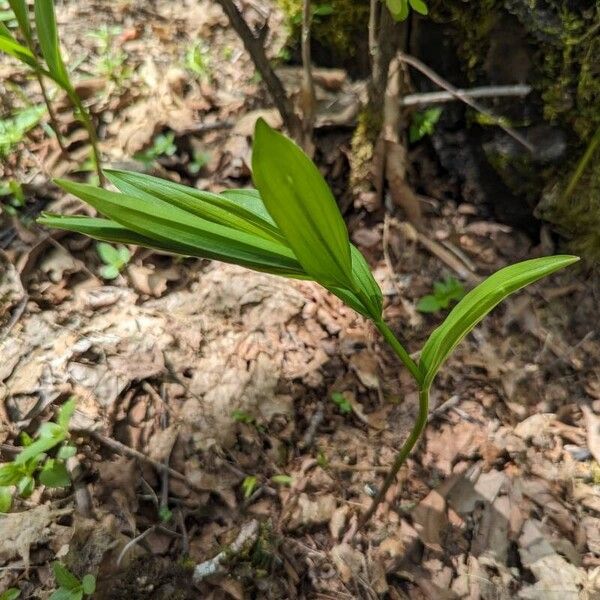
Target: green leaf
302	205
108	272
419	6
398	9
19	7
64	577
10	473
65	594
428	304
11	47
10	594
341	402
108	254
47	33
172	227
240	209
88	583
478	303
124	255
54	474
282	479
50	434
51	430
5	501
26	486
249	485
65	413
66	452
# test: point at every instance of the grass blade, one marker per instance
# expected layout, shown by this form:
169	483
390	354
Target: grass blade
478	303
19	7
10	46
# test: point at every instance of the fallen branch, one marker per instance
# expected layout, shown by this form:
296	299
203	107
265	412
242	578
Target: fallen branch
492	91
460	95
254	46
217	565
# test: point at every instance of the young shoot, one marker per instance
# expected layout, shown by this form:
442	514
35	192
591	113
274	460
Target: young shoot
289	226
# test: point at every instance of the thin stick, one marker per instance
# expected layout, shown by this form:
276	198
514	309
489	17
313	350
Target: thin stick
51	113
244	541
256	50
133	542
308	84
492	91
438	80
401	457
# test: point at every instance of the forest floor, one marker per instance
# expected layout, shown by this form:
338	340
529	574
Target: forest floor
229	377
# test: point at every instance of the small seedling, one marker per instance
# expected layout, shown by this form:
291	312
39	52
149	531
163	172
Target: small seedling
114	259
290	226
162	145
400	8
240	416
10	594
33	463
444	293
14	128
198	162
341	402
69	587
12	197
423	123
249	485
111	57
197	60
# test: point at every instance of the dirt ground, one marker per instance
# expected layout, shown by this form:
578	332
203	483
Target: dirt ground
226	376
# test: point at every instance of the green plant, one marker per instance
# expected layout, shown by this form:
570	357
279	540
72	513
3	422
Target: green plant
290	226
341	402
14	128
12	197
50	64
282	479
33	461
400	8
69	587
249	485
444	293
423	123
111	57
197	60
162	145
10	594
114	259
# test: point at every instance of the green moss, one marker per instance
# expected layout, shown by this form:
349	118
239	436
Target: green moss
363	147
338	30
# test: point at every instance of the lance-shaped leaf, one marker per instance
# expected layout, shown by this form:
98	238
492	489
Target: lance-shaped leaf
170	227
47	33
19	7
302	205
246	214
478	303
10	46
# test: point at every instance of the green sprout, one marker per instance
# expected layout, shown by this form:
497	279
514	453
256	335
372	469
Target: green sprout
423	123
69	587
33	462
249	485
400	8
162	145
289	226
444	293
114	259
197	60
341	402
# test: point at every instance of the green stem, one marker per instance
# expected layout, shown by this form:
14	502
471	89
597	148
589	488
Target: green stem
582	165
51	113
400	351
401	457
91	131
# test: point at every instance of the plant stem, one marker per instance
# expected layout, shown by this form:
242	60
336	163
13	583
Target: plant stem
399	349
401	457
582	165
84	117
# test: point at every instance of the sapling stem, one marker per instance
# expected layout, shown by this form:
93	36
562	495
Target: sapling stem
401	457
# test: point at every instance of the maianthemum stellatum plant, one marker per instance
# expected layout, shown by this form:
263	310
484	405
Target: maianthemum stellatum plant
289	226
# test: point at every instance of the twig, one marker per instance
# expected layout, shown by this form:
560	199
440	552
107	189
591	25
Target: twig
133	542
438	80
338	466
311	431
492	91
308	84
244	541
256	50
51	113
